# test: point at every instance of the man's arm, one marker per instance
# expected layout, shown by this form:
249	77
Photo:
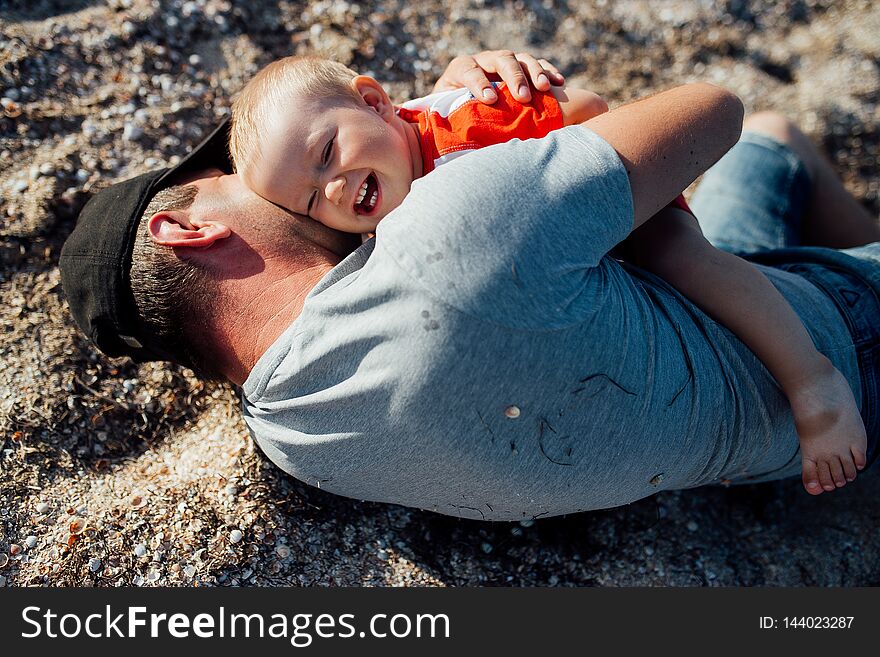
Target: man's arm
667	140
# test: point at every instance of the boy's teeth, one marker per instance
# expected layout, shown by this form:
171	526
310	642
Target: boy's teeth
362	192
373	199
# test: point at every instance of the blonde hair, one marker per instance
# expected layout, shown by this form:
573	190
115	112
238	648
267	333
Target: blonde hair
269	91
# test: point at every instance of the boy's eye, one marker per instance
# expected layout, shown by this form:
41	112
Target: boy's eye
328	150
311	202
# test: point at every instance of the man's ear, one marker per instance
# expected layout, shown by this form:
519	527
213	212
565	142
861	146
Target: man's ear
374	96
173	228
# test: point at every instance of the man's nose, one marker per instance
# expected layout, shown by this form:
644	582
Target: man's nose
333	190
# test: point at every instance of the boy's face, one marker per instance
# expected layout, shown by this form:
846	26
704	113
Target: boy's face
343	163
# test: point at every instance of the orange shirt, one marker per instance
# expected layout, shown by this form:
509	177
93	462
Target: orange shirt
454	123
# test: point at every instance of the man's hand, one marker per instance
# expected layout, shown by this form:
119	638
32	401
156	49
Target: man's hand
515	69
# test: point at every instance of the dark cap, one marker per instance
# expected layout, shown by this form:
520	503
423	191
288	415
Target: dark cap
96	258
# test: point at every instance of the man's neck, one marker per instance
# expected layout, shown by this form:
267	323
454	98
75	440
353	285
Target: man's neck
264	310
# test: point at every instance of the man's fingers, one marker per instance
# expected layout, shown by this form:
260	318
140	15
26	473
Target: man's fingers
534	70
478	84
516	70
556	77
464	71
506	65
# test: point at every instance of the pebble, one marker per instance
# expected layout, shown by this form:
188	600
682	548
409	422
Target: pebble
2	581
42	507
235	536
132	132
14	549
94	564
189	570
486	548
19	186
692	526
31	542
140	550
526	523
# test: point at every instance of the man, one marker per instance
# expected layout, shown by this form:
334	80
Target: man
489	360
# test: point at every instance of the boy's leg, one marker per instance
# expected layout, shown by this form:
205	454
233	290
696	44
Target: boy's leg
774	189
835	219
755	198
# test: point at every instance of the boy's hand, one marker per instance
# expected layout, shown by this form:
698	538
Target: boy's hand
515	69
830	429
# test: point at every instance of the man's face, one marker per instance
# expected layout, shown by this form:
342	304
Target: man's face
336	161
269	229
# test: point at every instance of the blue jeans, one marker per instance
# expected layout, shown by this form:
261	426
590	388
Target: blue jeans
753	203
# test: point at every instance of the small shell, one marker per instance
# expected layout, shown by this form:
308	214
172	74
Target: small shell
42	507
512	412
14	549
77	525
31	542
235	536
140	550
136	501
94	564
11	109
4	559
282	551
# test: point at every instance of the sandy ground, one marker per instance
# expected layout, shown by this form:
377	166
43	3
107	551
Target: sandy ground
114	474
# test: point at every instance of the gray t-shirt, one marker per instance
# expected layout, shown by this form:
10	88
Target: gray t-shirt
484	357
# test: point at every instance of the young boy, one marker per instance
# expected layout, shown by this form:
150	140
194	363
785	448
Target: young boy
316	138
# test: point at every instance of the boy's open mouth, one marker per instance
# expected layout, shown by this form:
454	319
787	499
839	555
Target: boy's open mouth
367	198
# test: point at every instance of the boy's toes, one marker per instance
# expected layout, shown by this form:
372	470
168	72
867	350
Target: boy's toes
811	478
836	468
859	457
825	476
849	468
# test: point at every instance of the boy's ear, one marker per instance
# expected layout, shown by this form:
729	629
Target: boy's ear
374	95
173	228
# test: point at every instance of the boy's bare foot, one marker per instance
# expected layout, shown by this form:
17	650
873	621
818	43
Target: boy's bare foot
831	432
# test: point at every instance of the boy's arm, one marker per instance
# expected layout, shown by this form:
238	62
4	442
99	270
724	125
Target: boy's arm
731	291
578	105
742	299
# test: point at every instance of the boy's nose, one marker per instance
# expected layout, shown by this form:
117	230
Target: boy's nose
334	189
